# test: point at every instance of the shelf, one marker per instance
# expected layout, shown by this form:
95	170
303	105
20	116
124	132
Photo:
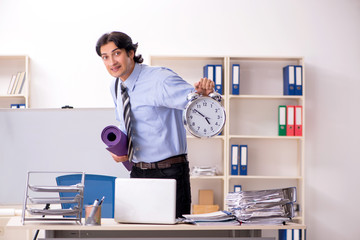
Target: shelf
252	119
207	177
267	177
9	67
196	138
268	137
266	58
265	97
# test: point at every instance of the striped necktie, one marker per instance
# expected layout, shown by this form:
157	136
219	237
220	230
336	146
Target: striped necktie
127	110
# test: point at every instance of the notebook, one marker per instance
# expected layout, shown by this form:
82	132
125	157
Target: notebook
145	200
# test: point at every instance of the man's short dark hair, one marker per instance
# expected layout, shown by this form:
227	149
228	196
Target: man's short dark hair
121	40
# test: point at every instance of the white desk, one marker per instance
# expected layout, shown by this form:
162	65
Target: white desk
109	228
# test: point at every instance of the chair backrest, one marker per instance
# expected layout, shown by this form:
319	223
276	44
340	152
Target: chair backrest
96	186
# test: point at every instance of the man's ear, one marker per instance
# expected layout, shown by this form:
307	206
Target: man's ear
131	54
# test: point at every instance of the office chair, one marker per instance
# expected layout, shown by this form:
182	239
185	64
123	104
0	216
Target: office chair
96	186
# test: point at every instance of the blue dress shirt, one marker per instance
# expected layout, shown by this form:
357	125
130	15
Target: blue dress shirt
157	98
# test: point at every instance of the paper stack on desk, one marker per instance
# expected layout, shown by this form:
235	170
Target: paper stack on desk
214	218
273	206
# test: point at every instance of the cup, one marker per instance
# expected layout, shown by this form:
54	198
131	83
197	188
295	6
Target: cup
92	215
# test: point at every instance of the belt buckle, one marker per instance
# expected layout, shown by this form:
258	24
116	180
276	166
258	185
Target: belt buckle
141	166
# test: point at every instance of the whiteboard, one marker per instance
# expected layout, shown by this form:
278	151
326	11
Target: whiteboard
52	140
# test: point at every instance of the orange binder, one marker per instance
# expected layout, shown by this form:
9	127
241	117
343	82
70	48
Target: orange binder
290	120
298	121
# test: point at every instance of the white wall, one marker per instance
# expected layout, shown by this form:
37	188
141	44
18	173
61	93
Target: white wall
60	37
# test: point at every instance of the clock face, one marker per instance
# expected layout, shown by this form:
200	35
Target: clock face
204	117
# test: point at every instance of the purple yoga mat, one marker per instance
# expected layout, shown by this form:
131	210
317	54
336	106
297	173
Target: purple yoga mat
117	143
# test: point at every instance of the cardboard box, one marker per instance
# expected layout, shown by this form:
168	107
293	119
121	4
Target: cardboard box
206	197
198	209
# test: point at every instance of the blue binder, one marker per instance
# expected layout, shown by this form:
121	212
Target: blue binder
289	80
296	234
298	80
243	159
218	78
234	159
237	188
289	234
285	234
209	71
235	79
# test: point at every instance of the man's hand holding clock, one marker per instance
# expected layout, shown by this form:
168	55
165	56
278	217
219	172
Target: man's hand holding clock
204	87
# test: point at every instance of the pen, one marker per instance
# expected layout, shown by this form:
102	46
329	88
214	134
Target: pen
102	200
96	202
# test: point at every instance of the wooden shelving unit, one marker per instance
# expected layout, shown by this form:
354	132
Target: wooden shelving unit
10	65
252	119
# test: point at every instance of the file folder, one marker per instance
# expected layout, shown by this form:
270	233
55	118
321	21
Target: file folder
209	72
235	79
218	78
296	234
298	121
285	234
289	80
243	159
290	120
282	120
298	80
234	159
237	188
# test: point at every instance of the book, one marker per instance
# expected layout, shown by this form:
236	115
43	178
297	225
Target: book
23	80
20	83
12	83
13	90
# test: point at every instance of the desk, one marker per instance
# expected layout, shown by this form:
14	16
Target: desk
110	229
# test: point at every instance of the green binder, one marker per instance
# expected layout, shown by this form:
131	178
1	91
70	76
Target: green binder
282	120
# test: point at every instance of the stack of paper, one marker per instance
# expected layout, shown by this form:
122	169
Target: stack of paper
214	218
263	207
203	171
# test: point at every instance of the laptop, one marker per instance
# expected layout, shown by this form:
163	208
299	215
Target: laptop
145	200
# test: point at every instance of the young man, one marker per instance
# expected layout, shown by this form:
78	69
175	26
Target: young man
158	97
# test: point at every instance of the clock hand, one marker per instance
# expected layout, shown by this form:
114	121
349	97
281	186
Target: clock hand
199	113
207	119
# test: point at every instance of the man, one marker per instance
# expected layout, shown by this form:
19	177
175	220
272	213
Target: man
158	97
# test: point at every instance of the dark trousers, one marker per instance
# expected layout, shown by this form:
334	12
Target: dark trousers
177	171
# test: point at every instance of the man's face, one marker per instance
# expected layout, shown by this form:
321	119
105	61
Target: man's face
117	61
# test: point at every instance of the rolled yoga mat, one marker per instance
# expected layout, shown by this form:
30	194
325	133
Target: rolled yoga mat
117	143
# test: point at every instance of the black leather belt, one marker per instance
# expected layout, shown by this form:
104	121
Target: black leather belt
162	164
